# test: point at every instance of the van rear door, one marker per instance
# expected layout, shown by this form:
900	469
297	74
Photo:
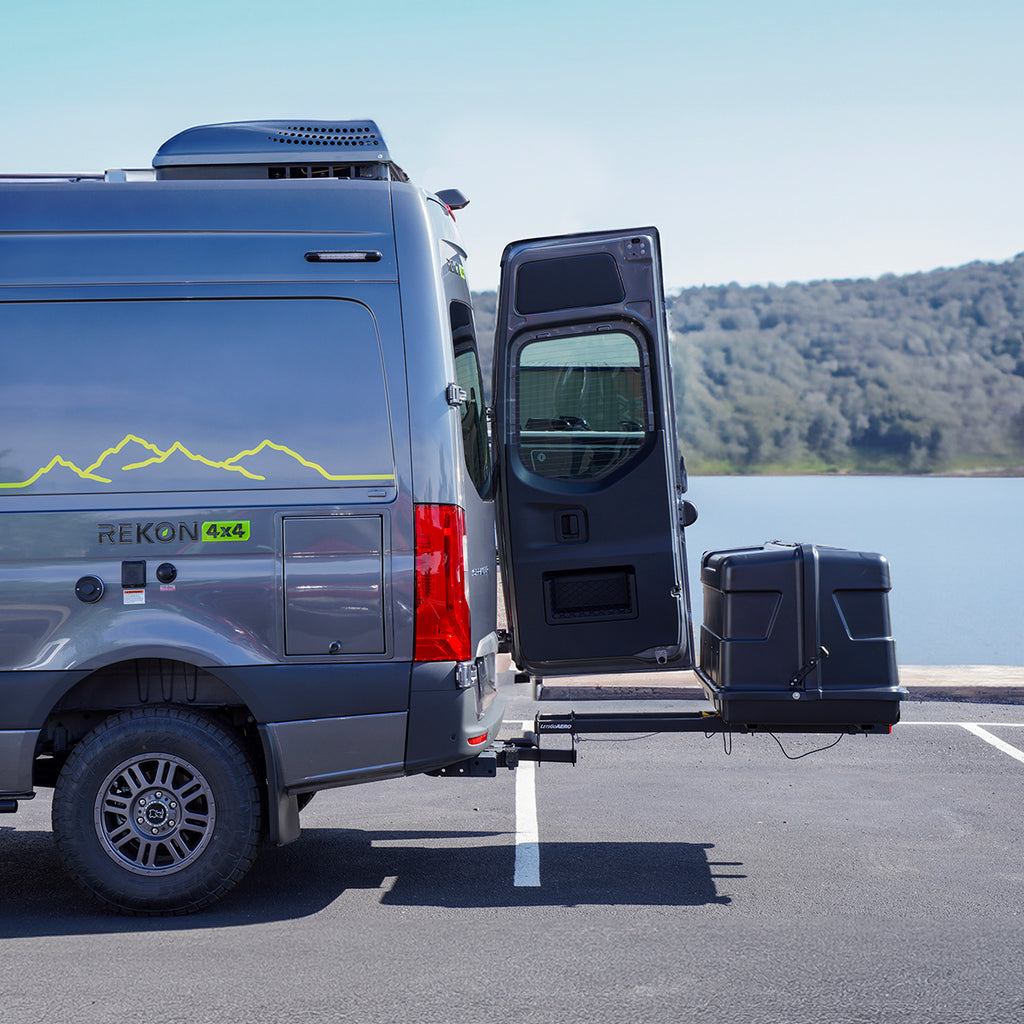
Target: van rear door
590	483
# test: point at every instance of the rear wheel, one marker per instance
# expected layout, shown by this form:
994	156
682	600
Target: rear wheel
157	811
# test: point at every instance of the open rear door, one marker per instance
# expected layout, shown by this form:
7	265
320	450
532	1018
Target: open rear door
590	489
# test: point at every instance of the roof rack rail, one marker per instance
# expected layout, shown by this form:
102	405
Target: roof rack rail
71	176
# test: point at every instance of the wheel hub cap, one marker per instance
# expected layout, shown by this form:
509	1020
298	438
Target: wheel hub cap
154	814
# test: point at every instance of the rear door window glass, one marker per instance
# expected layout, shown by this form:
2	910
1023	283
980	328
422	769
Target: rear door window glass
582	408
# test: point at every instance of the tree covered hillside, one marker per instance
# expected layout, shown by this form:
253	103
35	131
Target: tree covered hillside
917	373
920	373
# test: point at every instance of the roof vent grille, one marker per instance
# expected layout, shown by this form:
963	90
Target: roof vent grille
365	136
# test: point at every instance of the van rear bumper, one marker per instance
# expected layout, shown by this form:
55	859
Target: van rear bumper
443	719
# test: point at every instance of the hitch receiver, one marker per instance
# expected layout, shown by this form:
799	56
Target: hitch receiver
507	754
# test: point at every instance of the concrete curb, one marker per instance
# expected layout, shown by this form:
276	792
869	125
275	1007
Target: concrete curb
981	684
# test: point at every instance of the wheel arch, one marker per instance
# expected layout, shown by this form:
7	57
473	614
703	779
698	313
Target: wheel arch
164	682
136	683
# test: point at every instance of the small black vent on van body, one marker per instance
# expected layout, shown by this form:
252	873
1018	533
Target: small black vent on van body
278	149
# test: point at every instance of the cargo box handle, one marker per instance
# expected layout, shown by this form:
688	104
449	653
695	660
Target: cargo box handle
806	670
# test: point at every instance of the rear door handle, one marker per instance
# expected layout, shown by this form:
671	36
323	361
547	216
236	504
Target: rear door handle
571	525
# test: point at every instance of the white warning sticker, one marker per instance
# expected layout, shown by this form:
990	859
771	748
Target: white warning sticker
135	597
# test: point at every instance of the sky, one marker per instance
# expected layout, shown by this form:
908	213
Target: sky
789	141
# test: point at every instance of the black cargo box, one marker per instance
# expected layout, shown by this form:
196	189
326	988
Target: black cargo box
798	636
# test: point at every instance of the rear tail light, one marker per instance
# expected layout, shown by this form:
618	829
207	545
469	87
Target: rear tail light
442	606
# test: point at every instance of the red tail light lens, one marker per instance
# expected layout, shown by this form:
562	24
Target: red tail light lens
442	608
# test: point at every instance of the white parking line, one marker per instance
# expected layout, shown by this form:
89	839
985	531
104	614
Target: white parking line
527	870
527	834
994	740
1000	725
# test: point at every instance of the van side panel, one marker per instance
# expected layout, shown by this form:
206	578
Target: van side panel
271	692
433	423
168	232
185	319
441	474
222	433
443	711
333	585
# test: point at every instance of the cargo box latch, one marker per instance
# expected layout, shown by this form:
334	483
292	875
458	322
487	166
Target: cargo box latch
798	680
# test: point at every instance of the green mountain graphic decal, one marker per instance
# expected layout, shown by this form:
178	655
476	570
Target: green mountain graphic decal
231	465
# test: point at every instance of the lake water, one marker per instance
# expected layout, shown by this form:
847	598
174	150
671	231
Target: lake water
955	547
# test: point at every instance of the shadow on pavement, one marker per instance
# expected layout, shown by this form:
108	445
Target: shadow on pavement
445	869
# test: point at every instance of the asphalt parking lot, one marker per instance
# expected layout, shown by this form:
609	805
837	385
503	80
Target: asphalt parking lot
661	879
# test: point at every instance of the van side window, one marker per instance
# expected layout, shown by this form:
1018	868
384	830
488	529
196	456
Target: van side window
582	409
159	395
474	420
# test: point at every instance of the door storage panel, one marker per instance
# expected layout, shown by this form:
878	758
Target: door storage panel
590	596
333	584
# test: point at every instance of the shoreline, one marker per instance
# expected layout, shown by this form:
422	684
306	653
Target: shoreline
983	473
986	684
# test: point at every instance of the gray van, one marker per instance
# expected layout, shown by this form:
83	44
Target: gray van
247	489
250	492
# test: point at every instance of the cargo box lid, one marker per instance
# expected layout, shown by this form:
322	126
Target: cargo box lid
757	568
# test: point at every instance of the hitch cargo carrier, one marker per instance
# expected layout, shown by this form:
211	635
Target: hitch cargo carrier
799	635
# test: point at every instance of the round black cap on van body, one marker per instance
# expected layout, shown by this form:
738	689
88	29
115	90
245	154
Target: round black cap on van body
166	573
89	589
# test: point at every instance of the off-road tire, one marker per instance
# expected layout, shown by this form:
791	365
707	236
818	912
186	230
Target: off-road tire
157	811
